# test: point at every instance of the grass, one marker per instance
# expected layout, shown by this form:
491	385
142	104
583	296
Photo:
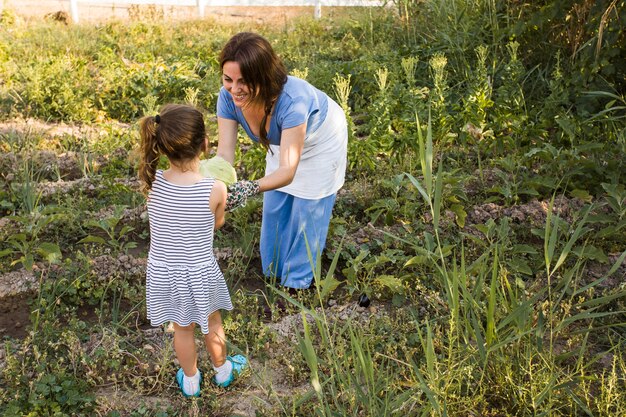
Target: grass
504	298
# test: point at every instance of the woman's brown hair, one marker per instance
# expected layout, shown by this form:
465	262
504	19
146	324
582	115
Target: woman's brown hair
177	132
263	71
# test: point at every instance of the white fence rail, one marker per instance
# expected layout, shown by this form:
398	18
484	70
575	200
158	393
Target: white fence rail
202	4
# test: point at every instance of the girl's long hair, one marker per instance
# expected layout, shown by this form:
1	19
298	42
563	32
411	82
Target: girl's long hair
264	72
177	132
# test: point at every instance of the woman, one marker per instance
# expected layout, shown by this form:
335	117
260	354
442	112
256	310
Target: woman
305	135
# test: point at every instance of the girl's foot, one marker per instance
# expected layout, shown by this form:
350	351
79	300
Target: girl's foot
189	386
236	364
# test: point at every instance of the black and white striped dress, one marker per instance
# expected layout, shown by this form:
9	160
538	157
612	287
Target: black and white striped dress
184	283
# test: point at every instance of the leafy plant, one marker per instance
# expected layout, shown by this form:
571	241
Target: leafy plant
24	191
115	237
25	247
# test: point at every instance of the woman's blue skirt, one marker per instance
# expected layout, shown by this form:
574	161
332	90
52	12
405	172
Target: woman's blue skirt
288	224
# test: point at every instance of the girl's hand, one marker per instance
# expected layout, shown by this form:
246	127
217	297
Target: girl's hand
239	192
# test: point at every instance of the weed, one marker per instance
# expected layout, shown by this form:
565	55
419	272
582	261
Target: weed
115	237
26	247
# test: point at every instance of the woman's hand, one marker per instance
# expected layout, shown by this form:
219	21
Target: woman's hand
239	192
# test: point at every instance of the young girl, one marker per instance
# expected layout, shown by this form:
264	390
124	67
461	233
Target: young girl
184	284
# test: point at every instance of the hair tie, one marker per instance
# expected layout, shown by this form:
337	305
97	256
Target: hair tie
157	119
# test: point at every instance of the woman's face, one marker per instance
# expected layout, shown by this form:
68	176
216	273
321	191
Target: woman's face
235	84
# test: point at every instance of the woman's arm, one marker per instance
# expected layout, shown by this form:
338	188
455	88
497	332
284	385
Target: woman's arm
217	202
227	139
291	145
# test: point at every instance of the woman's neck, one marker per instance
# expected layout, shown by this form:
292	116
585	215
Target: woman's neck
256	109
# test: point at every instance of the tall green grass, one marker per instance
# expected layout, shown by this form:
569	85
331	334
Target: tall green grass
500	348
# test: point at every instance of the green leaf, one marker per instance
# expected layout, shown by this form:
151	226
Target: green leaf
92	239
397	300
582	195
578	232
602	301
328	285
309	352
586	315
391	282
527	191
602	219
18	237
50	252
125	230
521	266
484	229
446	250
612	230
419	187
591	252
490	333
417	260
525	249
28	261
567	125
436	207
460	213
130	245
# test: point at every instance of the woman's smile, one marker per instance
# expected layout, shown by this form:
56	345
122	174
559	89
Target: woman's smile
234	83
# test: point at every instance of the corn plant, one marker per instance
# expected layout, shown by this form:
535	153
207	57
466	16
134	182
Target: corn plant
380	133
361	151
439	98
479	100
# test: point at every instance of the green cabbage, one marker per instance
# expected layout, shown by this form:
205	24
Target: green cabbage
218	168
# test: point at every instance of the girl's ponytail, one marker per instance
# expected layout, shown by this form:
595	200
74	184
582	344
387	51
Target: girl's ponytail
149	151
178	132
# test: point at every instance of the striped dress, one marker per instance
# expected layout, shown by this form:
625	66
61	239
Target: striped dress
184	283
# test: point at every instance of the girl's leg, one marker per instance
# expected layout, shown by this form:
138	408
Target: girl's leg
226	368
216	339
185	347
